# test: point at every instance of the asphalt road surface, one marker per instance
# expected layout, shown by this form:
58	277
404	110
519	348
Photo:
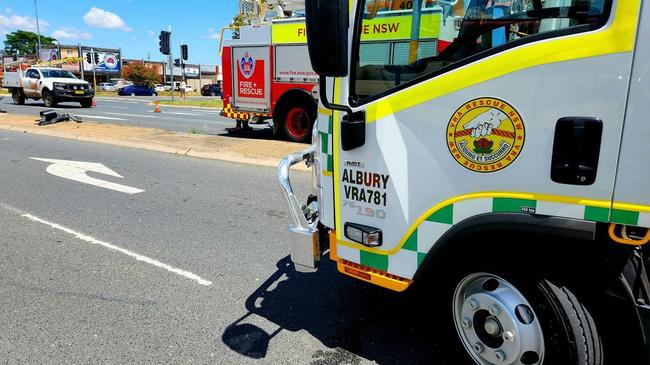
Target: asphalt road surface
135	111
194	269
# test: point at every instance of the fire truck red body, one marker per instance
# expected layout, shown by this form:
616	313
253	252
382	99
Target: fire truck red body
267	76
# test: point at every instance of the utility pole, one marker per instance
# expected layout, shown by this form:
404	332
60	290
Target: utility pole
38	33
81	63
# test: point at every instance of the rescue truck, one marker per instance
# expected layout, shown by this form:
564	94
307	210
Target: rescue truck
505	174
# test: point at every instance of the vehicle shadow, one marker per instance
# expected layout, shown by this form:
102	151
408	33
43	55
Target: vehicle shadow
352	318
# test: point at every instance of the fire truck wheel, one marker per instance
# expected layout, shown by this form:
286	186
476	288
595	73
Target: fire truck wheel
18	96
297	124
48	99
523	321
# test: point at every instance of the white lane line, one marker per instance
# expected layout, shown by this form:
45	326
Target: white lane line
113	247
131	115
180	113
98	117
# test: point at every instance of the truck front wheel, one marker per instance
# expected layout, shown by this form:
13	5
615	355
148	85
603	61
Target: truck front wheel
18	96
86	103
532	322
48	99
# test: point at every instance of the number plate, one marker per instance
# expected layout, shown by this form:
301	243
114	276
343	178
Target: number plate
80	92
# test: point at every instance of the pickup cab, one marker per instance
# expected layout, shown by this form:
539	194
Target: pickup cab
53	85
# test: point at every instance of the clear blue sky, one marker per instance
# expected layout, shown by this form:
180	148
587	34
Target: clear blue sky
132	25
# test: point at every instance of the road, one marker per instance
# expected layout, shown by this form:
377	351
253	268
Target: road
192	269
135	111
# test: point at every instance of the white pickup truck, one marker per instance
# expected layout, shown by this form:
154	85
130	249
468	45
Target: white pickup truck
53	85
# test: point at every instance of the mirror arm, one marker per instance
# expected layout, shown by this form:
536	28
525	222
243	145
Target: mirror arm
323	92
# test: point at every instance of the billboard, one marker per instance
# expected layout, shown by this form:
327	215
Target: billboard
109	62
49	55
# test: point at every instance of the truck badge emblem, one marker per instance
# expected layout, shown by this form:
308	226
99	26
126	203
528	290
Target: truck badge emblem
247	65
485	135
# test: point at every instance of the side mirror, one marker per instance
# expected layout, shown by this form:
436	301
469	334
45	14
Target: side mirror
327	36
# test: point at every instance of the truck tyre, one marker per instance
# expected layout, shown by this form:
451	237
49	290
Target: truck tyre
48	99
86	103
523	321
297	122
18	96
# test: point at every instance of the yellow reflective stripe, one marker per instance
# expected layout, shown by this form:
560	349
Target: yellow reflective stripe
327	173
336	153
617	38
284	33
631	207
495	194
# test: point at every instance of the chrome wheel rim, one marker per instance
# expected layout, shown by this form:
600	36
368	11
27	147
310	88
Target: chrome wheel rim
495	322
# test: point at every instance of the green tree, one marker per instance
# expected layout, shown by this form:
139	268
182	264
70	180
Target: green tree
237	22
26	43
138	74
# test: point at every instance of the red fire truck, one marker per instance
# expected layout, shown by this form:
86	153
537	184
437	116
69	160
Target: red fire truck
267	76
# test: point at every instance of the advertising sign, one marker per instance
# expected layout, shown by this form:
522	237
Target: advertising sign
251	78
109	62
49	55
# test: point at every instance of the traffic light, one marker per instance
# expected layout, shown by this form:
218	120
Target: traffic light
88	58
164	42
15	57
184	51
177	62
96	58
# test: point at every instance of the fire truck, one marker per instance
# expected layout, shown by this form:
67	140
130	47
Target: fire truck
267	74
498	161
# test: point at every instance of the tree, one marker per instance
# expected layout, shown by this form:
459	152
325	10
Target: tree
25	43
138	74
237	22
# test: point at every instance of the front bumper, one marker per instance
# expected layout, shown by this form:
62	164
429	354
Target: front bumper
69	95
305	251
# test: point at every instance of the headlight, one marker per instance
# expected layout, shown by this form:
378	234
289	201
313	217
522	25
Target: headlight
60	86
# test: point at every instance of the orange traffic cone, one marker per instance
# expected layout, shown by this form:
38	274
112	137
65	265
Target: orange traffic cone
93	104
156	108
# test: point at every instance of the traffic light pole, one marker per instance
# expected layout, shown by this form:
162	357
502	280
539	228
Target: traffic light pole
92	58
171	64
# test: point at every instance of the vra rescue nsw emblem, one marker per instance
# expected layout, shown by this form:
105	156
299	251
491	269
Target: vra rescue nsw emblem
485	135
247	65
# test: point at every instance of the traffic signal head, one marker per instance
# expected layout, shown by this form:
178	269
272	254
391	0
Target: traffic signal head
184	51
164	42
177	62
96	57
88	58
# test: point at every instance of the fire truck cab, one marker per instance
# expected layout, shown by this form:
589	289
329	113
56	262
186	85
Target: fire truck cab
498	158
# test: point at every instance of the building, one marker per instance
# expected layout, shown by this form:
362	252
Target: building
195	75
106	62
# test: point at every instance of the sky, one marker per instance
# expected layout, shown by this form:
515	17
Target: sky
132	25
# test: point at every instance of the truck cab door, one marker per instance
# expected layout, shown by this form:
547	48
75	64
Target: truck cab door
30	82
476	110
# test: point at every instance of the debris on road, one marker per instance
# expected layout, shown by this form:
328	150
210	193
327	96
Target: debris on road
51	117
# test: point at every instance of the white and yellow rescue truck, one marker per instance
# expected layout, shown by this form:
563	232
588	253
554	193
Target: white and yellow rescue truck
503	166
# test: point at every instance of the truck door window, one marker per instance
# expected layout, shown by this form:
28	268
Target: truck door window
400	47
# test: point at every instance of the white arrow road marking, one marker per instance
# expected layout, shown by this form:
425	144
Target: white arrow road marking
112	247
76	171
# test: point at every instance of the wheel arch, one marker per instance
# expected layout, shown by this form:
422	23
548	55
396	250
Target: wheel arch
577	251
290	96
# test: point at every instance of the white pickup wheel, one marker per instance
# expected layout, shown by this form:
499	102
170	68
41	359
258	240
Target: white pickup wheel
18	96
48	99
539	323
